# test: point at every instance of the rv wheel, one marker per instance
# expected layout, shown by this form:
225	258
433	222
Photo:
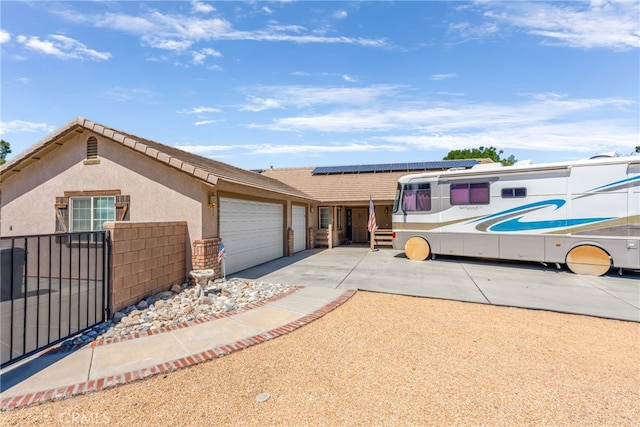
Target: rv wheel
588	260
417	249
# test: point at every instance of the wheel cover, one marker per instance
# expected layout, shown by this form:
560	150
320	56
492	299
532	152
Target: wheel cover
588	260
417	249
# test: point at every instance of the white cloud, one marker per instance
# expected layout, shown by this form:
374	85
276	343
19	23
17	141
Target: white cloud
348	78
122	94
340	14
4	36
199	56
584	25
199	110
125	23
322	148
24	80
271	97
302	149
205	122
203	149
443	76
260	104
17	126
442	118
201	7
62	47
178	32
543	122
580	136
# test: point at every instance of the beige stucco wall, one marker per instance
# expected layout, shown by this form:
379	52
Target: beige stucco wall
158	193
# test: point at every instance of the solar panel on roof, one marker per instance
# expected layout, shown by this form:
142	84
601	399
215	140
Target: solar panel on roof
393	167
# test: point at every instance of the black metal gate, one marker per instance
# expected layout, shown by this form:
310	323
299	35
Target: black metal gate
54	286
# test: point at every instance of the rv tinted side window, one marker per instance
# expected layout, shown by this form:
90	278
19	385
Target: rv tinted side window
416	197
509	193
469	194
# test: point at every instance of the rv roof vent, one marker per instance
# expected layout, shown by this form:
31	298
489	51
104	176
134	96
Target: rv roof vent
603	155
456	169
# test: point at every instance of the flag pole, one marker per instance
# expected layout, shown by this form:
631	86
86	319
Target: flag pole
372	225
224	275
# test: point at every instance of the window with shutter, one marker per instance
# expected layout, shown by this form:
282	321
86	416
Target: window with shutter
62	214
88	210
122	208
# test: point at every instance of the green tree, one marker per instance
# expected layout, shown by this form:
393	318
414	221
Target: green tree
5	148
480	153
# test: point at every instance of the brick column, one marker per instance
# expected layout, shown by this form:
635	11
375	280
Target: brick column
289	242
205	255
312	237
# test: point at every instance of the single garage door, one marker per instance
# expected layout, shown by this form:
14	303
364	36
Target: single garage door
299	226
252	232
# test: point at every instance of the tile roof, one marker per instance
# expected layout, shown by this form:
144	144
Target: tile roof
356	183
201	168
340	187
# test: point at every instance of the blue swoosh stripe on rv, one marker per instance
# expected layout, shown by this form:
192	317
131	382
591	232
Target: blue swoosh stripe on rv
558	203
622	181
516	225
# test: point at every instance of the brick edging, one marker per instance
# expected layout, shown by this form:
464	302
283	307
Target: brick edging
184	362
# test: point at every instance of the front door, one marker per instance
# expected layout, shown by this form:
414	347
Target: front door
359	232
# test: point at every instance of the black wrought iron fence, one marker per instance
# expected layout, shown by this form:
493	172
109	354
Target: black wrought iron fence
54	286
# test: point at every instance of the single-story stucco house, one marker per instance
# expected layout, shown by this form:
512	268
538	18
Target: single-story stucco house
85	173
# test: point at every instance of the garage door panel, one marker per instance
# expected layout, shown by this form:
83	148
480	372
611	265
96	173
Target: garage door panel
299	226
252	232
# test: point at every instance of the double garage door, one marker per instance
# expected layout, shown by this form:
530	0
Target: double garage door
253	232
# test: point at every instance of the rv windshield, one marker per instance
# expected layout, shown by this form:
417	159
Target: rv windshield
396	202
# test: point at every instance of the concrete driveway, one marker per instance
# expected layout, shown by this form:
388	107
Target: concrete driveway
516	284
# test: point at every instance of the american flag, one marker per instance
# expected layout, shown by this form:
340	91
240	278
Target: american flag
220	252
372	225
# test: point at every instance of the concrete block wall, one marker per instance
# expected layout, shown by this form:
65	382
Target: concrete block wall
146	258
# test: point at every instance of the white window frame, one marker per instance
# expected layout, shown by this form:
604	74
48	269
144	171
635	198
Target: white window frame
324	212
92	220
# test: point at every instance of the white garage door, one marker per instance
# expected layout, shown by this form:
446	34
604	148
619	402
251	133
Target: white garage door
252	232
299	226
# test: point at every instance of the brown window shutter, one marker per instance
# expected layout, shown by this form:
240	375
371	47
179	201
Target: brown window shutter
62	214
122	208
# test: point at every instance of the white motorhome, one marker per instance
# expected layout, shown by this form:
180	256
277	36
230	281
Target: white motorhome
584	213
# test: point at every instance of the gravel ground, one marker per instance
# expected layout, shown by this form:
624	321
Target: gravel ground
384	359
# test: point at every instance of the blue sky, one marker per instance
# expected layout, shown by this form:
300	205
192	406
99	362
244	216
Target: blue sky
258	84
